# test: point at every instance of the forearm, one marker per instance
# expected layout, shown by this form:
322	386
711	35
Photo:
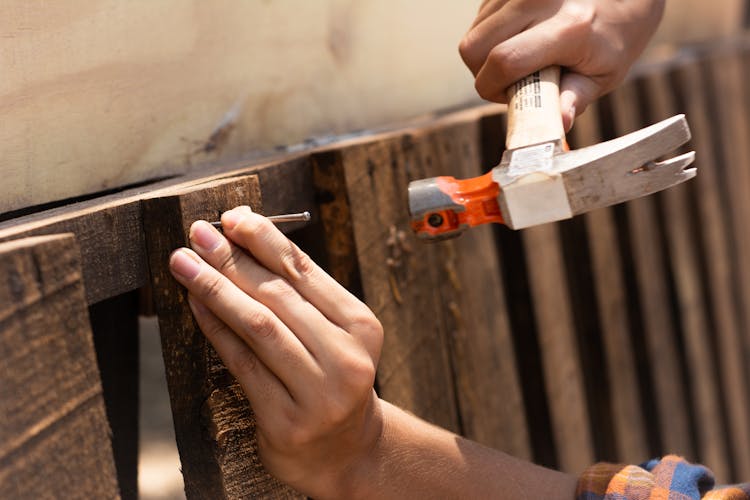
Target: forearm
414	459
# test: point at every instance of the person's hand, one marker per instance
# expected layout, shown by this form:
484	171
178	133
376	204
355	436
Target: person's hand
301	346
595	41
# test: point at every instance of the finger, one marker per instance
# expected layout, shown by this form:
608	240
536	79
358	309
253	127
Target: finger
282	257
487	8
529	51
263	389
577	91
302	318
491	29
254	323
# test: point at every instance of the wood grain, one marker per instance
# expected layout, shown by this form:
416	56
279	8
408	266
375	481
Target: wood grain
726	93
623	395
213	421
559	350
652	296
54	440
448	355
110	229
165	87
694	305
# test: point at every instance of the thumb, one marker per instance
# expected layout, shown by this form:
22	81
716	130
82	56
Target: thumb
576	92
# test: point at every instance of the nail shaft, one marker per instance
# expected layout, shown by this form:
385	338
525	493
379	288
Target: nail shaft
299	217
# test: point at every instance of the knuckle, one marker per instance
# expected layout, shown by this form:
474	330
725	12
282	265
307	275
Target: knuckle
212	287
296	263
299	436
468	50
366	325
577	18
259	324
277	288
243	363
360	373
228	260
506	59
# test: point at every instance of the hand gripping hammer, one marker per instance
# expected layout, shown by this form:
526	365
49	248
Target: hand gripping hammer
539	180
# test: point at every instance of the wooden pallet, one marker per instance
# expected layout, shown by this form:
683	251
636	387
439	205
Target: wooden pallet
619	335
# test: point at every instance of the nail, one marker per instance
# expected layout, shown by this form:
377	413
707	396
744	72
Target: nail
203	235
184	264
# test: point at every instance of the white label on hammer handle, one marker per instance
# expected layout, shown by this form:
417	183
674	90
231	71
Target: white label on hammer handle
536	198
531	159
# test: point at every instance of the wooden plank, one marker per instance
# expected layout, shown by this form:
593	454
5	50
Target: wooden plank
696	308
415	367
110	230
448	355
199	83
690	21
727	96
485	370
114	324
213	421
624	398
559	350
652	298
54	440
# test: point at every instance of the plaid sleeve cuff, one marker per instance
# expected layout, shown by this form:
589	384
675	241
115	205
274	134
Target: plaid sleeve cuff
671	478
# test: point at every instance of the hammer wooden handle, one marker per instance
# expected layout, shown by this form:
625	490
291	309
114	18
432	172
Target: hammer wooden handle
534	110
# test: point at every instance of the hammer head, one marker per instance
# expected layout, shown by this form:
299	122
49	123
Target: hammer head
544	183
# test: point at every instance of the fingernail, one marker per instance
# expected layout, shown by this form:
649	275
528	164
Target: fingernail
230	218
572	115
204	235
184	264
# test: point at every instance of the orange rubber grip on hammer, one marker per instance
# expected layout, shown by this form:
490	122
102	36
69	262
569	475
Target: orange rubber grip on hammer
479	198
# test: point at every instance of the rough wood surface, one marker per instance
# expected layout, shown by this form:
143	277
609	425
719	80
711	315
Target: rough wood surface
448	355
54	437
623	394
727	95
214	425
110	229
559	350
662	337
179	83
694	307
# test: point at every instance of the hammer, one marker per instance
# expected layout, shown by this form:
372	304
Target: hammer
539	180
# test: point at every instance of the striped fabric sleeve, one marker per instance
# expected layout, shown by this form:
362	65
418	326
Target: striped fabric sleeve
670	478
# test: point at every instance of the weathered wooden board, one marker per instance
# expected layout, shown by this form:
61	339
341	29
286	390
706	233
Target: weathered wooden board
213	421
695	307
114	324
147	89
728	99
110	230
645	250
561	363
688	21
623	395
448	355
54	437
